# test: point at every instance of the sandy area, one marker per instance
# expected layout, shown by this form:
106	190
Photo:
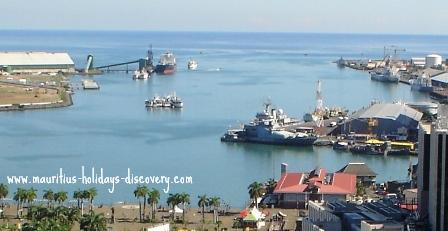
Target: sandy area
14	94
127	218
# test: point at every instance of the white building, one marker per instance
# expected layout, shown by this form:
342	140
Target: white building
433	60
33	62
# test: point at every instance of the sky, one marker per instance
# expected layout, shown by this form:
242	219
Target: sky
320	16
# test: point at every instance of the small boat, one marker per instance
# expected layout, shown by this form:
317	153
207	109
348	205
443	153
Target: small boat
399	152
170	101
340	145
156	101
141	74
192	65
176	102
366	149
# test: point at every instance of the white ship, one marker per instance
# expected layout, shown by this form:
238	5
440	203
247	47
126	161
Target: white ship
192	65
169	101
421	83
141	74
387	74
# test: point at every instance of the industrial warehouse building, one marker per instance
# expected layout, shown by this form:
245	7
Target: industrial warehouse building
440	80
33	62
385	119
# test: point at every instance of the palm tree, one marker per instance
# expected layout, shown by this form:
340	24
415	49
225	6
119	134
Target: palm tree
184	198
256	190
60	197
3	194
20	197
173	200
141	192
77	196
93	222
215	202
30	196
91	194
202	203
153	199
49	196
80	195
270	186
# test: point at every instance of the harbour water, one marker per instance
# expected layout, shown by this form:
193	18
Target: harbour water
111	128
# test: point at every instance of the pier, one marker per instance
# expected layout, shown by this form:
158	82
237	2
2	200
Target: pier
143	63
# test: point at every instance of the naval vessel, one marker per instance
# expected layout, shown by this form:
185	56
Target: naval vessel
272	126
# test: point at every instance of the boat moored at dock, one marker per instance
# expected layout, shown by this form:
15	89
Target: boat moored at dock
387	74
141	74
272	126
421	83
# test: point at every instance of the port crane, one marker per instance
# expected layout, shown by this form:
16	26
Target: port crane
392	48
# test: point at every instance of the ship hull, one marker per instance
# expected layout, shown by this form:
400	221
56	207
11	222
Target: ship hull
384	78
304	141
165	69
422	88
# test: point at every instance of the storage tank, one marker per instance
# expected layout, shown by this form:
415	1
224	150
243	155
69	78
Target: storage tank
433	60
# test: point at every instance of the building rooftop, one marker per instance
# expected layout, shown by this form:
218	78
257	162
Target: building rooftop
358	169
390	111
317	181
443	78
34	58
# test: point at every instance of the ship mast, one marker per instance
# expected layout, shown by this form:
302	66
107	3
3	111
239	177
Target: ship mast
319	105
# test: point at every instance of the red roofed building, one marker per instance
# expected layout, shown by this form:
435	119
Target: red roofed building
294	190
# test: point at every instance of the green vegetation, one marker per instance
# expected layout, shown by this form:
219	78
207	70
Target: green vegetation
153	199
256	190
3	194
141	192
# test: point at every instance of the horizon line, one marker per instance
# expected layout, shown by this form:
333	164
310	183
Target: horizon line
221	31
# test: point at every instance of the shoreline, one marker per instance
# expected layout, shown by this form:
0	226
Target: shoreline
65	101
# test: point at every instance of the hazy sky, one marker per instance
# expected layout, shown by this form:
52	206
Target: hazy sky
341	16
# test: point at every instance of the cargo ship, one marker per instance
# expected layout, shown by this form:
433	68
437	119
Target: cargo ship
166	65
272	126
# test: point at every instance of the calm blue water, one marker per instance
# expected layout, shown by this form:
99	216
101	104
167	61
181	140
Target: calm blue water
111	128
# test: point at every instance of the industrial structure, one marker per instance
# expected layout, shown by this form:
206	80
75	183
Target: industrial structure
35	62
440	80
432	172
395	120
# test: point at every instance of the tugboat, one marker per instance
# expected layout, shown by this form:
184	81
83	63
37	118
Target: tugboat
166	65
272	126
141	74
192	64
